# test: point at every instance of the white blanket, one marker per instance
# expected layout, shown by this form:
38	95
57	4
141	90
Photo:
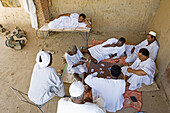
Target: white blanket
136	81
66	22
152	48
100	53
111	90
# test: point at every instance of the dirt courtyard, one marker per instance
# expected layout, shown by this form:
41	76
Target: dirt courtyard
16	68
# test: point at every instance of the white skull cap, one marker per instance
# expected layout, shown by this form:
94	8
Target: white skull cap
152	33
76	89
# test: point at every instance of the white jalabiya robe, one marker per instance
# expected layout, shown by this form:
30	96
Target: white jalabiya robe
65	105
111	90
100	53
152	48
136	81
45	82
31	9
66	22
74	59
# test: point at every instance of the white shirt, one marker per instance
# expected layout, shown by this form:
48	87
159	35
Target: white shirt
111	90
74	59
45	83
148	66
136	81
100	53
65	105
152	48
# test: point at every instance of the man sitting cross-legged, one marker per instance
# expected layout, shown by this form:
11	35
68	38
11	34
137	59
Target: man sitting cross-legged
110	48
141	71
76	103
45	82
150	43
111	89
76	63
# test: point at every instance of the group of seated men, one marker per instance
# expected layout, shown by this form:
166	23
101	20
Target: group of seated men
107	92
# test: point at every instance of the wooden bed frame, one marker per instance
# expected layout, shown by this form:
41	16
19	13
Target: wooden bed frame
79	30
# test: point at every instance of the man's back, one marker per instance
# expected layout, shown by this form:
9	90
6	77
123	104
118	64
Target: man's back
42	81
112	92
65	105
110	89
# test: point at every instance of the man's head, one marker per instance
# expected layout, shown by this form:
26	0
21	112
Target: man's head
72	49
151	37
115	71
50	59
76	91
44	59
121	41
81	17
143	54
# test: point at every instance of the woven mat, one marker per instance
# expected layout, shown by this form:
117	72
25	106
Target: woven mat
128	101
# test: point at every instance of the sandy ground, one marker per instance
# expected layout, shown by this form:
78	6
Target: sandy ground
16	68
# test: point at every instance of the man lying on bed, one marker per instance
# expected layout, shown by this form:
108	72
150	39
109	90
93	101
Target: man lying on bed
71	20
110	48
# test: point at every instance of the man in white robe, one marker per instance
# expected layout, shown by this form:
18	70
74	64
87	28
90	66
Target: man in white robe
69	21
111	89
45	82
76	104
110	48
76	63
150	43
141	71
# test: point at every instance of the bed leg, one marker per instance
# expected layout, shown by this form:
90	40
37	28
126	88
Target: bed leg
86	41
45	37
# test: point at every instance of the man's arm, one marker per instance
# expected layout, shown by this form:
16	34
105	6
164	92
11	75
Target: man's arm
89	80
132	50
110	45
88	24
63	15
137	72
142	43
58	85
111	41
79	63
154	52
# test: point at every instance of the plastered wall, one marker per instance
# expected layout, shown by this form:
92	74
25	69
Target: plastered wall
161	24
14	16
110	15
107	15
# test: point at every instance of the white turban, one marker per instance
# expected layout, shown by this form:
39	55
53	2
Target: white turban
76	89
152	33
45	57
